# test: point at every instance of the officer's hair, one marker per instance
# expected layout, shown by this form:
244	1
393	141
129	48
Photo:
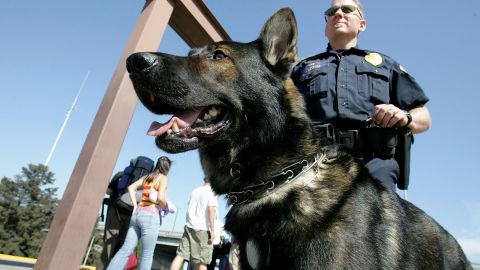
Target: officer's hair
360	7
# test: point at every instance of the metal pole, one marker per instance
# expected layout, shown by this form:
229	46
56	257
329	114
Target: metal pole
88	251
175	220
66	120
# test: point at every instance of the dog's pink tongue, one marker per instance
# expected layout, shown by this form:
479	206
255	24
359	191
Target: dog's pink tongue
183	119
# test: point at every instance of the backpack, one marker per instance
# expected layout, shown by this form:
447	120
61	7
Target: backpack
137	168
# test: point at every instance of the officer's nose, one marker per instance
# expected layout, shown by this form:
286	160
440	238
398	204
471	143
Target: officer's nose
339	13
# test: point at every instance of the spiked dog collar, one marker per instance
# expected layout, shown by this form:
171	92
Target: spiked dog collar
287	175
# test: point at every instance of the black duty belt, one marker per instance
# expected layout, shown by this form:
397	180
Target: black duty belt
380	142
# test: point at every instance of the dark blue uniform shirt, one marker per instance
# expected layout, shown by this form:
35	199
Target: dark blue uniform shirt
342	88
347	85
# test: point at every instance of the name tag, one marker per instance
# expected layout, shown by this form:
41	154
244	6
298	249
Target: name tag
313	68
316	64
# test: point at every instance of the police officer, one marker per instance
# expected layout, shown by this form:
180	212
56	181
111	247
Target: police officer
351	89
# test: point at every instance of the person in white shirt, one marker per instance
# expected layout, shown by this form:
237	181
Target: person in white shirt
197	240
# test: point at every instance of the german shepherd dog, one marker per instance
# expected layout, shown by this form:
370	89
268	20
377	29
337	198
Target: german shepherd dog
296	203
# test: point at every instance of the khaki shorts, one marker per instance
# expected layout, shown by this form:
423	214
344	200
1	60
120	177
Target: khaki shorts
194	246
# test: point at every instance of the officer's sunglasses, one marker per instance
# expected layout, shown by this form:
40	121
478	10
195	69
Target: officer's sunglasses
345	9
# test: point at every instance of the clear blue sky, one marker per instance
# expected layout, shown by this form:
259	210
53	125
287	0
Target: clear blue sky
47	48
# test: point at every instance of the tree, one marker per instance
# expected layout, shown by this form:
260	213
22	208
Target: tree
27	206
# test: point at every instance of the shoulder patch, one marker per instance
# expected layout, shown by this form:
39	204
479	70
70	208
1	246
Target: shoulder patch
374	59
402	68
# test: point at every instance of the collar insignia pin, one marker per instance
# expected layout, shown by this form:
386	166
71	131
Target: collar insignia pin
402	68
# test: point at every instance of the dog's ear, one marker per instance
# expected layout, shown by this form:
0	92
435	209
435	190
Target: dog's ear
279	38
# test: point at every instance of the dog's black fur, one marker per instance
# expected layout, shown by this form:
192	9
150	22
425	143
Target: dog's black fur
331	216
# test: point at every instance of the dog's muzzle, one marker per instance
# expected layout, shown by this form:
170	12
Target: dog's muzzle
141	62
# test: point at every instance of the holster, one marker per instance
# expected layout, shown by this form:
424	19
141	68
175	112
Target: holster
381	142
402	156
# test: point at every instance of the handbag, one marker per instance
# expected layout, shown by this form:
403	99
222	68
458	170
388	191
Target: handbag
153	194
132	261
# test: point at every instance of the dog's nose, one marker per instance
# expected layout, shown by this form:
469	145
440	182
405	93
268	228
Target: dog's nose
140	61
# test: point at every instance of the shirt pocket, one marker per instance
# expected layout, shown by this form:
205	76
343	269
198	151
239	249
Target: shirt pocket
316	82
373	83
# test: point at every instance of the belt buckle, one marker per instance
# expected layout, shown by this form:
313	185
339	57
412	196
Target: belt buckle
327	130
348	138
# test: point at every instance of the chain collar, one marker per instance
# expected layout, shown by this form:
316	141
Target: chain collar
287	175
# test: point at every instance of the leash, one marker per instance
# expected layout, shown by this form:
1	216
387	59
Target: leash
288	174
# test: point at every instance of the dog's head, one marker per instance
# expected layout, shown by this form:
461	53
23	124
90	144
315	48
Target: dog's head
226	96
207	91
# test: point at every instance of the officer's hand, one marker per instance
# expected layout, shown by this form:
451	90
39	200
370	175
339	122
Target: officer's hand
388	115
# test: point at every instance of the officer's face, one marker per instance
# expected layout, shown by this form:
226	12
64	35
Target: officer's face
342	24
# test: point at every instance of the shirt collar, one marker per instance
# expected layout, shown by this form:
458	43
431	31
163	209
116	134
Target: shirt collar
352	50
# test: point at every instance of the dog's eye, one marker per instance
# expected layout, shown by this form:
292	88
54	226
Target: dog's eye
218	55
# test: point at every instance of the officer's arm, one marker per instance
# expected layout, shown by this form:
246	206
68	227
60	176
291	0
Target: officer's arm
389	115
408	95
421	120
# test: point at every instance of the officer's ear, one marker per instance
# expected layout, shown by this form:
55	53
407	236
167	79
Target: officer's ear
363	26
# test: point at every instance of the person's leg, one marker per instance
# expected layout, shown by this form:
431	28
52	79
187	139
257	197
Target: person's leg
177	263
215	255
200	266
384	170
183	251
110	238
121	257
124	222
149	223
223	261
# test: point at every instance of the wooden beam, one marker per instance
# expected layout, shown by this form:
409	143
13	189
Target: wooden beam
195	24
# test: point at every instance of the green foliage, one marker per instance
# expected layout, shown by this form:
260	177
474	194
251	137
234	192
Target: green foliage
27	205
